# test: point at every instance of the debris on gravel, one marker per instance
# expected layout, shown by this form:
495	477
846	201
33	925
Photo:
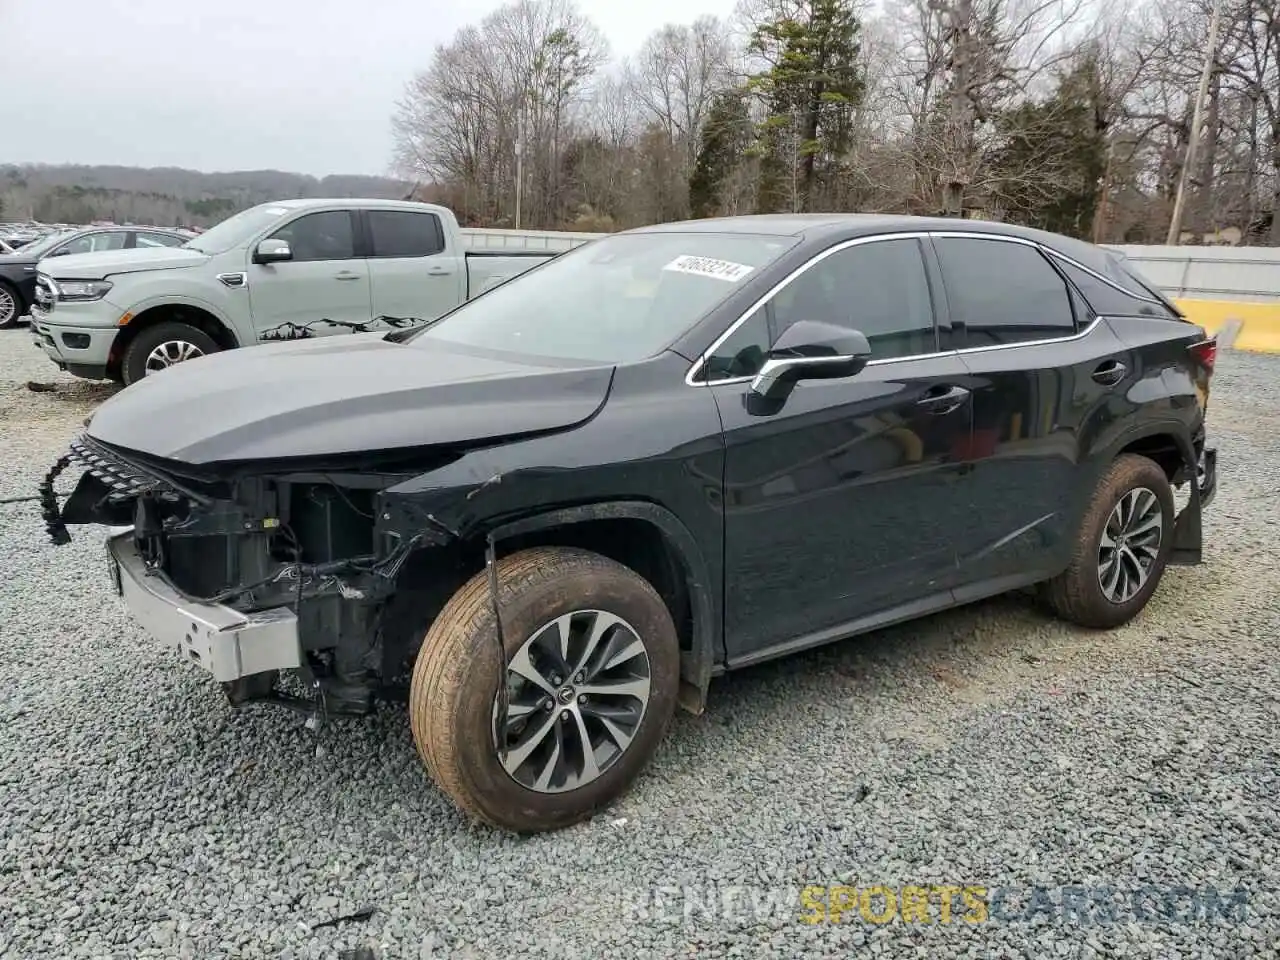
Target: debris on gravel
988	782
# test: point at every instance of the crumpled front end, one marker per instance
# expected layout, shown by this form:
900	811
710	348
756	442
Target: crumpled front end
252	577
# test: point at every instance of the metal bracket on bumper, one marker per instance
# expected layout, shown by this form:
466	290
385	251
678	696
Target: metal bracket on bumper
1188	529
225	642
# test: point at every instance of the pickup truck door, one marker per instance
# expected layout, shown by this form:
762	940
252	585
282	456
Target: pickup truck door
413	271
325	280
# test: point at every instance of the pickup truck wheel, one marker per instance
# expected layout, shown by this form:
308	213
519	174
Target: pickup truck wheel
160	347
1122	548
593	669
11	307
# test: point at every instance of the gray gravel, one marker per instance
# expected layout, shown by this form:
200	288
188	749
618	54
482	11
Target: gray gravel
140	817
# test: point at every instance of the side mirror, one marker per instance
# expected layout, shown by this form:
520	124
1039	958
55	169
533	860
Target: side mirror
809	350
60	252
272	251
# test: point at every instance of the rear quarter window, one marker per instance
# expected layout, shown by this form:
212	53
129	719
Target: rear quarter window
1107	300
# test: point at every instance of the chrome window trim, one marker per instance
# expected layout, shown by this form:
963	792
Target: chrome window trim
913	235
776	288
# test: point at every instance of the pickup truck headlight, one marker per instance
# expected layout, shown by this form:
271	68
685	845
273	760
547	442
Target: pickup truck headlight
81	289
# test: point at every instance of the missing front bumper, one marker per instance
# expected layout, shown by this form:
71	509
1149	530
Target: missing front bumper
226	643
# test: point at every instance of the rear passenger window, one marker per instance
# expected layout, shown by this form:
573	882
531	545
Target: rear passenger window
402	233
1107	300
1004	292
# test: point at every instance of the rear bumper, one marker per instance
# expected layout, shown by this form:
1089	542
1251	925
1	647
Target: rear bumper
227	644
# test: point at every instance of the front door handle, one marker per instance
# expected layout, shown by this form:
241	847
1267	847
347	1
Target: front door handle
439	272
943	399
346	275
1110	373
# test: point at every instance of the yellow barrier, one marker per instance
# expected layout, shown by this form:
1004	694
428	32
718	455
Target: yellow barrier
1259	322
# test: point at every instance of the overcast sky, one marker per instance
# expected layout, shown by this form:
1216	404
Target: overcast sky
298	85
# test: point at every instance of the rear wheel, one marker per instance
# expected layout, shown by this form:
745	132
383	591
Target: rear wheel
162	346
1122	548
11	306
593	668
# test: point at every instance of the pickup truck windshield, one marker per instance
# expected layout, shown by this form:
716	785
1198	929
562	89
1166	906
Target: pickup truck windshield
236	229
617	300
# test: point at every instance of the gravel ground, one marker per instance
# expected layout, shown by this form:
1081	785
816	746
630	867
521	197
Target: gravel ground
986	747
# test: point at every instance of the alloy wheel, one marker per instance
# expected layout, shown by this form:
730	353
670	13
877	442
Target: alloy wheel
1130	545
8	308
170	352
577	692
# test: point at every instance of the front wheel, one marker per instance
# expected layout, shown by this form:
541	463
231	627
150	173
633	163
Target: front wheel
593	666
1122	547
162	346
11	307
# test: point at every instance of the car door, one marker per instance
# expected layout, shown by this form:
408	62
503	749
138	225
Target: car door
411	274
837	501
1041	364
323	289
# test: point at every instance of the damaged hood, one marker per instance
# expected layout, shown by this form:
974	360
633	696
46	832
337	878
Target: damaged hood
342	394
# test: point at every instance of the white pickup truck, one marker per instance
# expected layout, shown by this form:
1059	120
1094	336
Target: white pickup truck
278	271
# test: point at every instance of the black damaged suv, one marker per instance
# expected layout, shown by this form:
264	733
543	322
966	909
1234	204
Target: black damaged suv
550	517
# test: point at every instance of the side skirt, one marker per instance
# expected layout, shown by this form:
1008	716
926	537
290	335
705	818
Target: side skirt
934	603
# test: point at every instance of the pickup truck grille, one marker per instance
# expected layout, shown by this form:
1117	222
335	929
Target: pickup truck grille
124	479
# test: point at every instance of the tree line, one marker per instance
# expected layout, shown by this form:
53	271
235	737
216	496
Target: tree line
1072	115
163	196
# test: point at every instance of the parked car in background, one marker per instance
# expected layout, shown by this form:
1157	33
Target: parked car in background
5	248
18	270
554	514
290	270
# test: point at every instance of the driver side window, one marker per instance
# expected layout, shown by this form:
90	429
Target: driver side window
319	236
879	288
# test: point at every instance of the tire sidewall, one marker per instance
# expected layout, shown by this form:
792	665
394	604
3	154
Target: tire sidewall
502	798
1120	482
133	368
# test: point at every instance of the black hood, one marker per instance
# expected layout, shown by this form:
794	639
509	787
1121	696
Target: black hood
339	395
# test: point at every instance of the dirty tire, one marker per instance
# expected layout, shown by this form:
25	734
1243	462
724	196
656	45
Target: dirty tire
134	365
455	676
1075	594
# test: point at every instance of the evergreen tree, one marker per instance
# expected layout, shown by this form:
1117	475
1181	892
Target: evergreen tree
810	91
725	136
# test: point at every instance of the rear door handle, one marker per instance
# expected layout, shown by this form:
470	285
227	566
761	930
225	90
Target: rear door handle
346	275
943	399
1110	373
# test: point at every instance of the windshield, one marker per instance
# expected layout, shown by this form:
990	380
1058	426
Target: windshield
236	229
37	247
617	300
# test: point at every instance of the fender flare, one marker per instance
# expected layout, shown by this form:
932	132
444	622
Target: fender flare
179	300
695	665
1156	428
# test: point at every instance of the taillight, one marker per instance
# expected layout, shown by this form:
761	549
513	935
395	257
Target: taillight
1205	353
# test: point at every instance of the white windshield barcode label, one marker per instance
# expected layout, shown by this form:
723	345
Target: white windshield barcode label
709	267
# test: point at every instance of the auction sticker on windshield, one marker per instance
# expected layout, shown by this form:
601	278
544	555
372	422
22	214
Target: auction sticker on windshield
709	267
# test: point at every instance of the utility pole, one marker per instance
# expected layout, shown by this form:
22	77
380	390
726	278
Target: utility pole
519	160
1197	115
